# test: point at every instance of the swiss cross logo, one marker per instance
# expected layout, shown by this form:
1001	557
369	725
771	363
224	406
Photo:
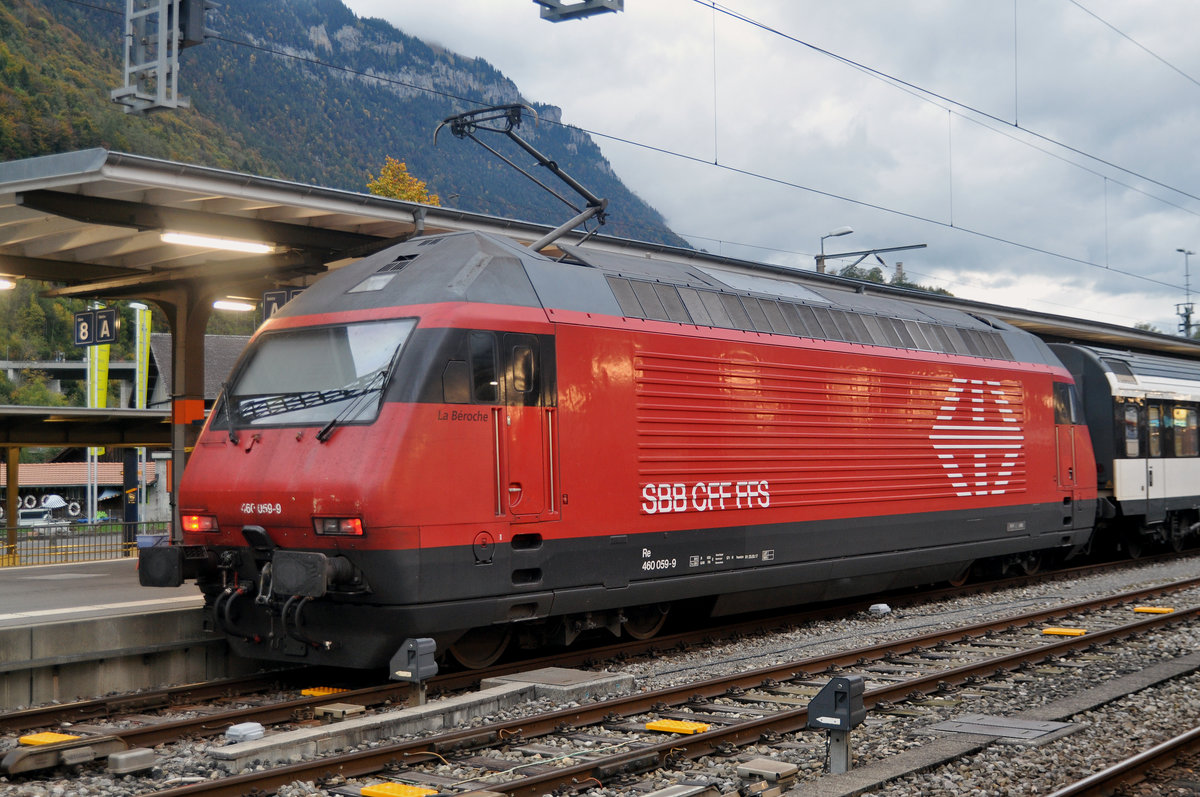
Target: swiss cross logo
978	437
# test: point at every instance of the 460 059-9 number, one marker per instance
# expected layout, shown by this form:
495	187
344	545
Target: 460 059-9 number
261	509
658	564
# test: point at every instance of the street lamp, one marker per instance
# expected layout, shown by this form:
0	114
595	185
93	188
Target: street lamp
831	234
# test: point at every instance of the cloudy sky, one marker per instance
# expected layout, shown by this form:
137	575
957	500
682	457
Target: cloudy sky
1045	150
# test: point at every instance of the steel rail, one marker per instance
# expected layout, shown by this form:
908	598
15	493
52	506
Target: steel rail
80	710
1133	769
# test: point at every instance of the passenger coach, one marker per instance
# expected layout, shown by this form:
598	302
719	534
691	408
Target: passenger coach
1142	416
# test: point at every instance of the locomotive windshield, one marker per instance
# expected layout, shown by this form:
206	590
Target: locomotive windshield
314	376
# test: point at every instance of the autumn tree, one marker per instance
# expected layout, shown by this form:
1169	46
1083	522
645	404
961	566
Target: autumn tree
394	181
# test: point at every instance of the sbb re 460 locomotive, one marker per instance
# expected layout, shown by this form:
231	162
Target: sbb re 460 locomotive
463	439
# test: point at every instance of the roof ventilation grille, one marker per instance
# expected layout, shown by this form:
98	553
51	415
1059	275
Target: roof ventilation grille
397	264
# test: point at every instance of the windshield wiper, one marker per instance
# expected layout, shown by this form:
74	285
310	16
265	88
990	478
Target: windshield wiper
374	383
265	406
227	404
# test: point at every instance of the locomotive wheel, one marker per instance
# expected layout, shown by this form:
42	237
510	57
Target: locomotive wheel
481	647
1134	546
1177	534
643	622
1030	564
962	577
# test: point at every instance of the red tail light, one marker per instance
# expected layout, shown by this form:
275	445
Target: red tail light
199	523
338	526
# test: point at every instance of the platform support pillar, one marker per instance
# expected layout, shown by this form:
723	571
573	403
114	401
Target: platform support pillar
11	502
187	309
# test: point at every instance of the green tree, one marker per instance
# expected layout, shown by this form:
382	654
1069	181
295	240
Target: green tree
868	275
35	391
395	181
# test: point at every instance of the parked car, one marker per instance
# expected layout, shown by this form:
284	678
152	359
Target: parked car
41	520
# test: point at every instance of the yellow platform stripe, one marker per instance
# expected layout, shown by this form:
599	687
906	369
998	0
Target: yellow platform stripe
1064	631
1153	609
396	790
46	737
677	726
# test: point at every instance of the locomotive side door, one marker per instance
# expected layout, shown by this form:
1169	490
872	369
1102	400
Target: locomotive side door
1067	414
528	426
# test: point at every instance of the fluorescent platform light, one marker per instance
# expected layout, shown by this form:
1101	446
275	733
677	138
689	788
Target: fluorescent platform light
232	304
7	284
213	242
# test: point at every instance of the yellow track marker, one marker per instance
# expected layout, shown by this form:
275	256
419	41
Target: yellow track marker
396	790
677	726
322	691
1064	631
46	737
1153	609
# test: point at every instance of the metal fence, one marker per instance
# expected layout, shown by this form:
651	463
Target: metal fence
79	542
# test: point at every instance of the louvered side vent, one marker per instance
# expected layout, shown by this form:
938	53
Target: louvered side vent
397	264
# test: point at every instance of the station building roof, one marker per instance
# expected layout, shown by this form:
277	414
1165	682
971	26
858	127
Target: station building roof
67	474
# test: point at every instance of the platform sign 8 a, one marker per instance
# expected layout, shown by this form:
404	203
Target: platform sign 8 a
95	327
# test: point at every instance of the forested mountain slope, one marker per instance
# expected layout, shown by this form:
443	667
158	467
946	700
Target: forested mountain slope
291	116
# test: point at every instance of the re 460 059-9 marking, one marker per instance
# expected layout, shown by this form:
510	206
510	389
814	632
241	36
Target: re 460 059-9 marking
250	508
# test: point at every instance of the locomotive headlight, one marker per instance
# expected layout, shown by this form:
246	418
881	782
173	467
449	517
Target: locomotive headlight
338	526
199	523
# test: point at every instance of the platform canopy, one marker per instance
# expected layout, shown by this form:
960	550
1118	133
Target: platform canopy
64	427
94	221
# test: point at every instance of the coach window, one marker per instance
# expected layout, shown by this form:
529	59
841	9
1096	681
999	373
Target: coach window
1185	432
1154	431
1132	449
483	368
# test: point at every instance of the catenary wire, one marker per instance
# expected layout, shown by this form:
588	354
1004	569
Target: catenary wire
929	93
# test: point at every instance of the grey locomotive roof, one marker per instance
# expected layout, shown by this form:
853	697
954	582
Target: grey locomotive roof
477	267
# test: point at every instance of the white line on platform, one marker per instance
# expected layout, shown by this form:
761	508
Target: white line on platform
196	599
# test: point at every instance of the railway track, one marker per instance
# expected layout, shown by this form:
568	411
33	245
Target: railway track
1137	768
606	743
168	699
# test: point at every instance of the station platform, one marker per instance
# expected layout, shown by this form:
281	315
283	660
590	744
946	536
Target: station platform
39	594
86	629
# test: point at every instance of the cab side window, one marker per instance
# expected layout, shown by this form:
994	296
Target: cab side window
485	387
1066	404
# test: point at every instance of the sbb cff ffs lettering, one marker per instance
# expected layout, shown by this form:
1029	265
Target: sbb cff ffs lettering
662	498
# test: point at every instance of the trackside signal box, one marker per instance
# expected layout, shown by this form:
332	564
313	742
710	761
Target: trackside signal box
837	709
839	705
414	662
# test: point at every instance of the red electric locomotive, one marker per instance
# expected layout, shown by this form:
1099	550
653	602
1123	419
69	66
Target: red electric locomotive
463	439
